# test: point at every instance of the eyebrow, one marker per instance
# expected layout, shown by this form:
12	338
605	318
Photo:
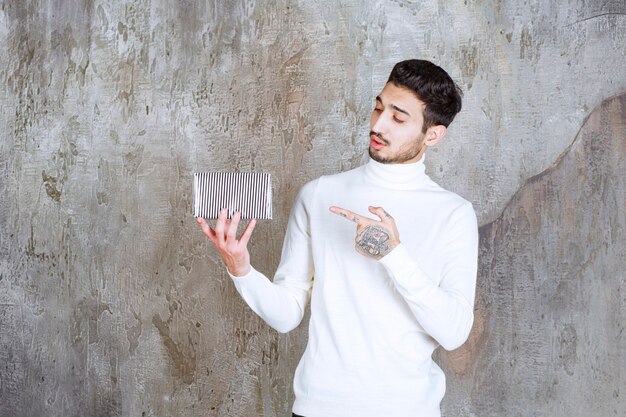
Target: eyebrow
393	106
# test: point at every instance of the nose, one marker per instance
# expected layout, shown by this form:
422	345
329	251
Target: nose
379	123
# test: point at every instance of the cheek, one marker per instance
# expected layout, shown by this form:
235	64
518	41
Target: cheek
406	140
373	119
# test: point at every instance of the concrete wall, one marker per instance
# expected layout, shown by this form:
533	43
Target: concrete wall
113	304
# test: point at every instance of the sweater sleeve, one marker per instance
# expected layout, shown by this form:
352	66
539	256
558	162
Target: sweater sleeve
281	303
445	311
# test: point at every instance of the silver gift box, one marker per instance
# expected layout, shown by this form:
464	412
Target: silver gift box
247	192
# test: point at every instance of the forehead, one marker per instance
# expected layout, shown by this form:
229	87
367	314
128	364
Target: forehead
402	97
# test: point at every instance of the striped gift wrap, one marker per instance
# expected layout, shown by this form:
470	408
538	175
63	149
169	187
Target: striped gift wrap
247	192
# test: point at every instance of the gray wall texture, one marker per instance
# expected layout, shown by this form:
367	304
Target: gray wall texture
112	302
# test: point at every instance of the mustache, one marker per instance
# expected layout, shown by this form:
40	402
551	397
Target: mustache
379	136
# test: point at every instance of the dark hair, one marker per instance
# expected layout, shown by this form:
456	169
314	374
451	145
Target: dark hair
433	86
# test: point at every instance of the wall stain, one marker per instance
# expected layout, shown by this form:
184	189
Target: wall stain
31	248
468	56
242	340
271	356
183	353
133	159
76	59
554	234
50	183
89	309
529	48
133	332
567	342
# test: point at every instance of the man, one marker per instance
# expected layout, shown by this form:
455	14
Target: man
382	301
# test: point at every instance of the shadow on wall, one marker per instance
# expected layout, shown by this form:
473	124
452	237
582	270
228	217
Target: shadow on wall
548	337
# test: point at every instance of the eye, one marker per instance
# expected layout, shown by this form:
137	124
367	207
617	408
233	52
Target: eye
398	120
377	110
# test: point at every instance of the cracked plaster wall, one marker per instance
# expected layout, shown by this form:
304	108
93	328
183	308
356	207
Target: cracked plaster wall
111	302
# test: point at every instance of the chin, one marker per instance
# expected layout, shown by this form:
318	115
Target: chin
402	158
378	157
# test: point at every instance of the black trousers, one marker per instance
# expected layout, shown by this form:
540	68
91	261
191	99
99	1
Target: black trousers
296	415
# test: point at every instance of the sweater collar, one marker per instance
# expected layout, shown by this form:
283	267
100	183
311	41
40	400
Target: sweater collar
396	176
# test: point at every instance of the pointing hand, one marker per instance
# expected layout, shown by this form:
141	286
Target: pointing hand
374	238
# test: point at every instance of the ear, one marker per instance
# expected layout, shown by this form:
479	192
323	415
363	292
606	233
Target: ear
434	134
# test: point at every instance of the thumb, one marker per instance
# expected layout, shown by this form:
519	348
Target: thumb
381	213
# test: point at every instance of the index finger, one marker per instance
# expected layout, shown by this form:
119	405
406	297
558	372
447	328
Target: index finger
352	216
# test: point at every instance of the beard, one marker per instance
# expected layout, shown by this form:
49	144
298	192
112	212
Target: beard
407	152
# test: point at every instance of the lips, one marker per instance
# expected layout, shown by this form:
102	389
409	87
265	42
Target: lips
376	142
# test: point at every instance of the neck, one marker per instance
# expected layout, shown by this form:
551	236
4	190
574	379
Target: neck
421	153
405	176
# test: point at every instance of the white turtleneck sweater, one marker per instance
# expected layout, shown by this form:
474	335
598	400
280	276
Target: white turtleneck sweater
374	324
